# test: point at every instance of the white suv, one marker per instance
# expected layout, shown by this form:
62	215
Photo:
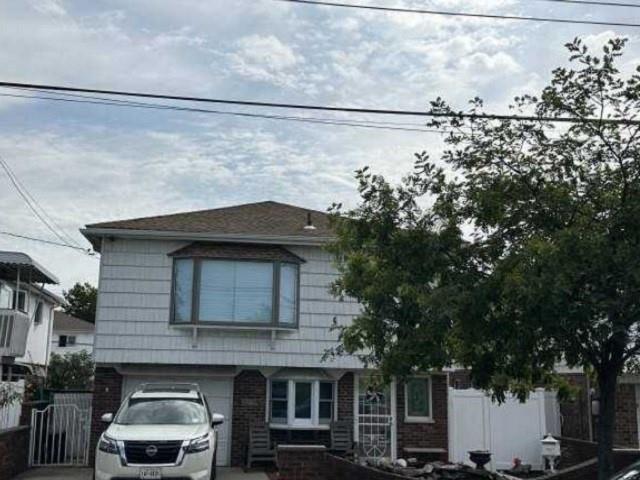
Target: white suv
160	431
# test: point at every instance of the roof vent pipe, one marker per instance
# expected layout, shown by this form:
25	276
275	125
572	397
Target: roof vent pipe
309	225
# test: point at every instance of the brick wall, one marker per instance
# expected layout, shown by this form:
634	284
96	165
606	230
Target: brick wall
249	404
626	431
425	435
574	451
345	397
460	379
107	396
337	468
576	412
14	448
301	462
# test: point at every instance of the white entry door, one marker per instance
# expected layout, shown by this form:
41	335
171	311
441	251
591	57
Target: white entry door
219	394
375	419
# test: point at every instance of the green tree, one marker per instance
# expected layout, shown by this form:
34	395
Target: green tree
73	371
516	249
81	301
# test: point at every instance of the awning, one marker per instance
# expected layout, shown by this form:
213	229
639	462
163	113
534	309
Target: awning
30	270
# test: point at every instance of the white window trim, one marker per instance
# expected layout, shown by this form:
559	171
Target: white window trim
302	424
413	418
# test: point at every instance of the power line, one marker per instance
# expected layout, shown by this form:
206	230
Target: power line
293	106
49	242
32	200
322	121
459	14
16	185
595	2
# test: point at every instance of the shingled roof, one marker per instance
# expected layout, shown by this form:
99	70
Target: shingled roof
64	322
252	219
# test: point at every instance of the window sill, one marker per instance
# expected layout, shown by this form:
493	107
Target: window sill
226	326
419	420
283	426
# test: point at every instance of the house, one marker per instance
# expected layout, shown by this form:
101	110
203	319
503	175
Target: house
71	334
26	315
237	299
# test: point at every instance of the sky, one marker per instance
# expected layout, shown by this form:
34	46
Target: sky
91	163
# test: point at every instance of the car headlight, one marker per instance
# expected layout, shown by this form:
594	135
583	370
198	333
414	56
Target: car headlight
107	445
199	444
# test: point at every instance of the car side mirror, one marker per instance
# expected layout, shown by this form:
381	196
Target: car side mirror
217	419
107	418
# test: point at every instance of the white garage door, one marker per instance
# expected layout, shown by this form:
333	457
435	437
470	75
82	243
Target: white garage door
219	393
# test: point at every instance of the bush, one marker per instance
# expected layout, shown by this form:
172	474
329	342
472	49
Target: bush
73	371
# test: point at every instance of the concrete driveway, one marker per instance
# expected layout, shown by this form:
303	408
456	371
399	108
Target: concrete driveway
86	474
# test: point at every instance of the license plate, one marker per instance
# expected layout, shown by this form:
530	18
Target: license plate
150	474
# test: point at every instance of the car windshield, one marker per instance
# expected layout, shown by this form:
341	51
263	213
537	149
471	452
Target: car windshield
631	473
162	411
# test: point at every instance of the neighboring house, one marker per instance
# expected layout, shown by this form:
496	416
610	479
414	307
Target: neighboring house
26	315
71	334
237	299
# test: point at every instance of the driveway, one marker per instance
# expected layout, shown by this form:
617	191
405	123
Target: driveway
86	474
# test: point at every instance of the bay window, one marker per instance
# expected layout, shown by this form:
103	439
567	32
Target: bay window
301	403
235	292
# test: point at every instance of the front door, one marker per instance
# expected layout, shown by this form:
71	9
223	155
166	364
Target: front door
375	418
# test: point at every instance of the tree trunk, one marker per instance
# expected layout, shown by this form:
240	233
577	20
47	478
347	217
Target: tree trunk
607	383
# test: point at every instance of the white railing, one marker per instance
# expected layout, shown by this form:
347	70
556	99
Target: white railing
14	327
10	414
60	436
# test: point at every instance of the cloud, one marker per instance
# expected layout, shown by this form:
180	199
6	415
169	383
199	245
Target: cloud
91	163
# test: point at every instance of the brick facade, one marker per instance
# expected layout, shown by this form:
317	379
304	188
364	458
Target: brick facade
425	435
626	431
107	396
249	406
14	450
576	412
345	396
297	462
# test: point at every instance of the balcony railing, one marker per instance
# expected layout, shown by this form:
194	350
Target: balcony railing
14	327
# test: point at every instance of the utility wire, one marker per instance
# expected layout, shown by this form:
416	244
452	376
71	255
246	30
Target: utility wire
31	200
322	121
35	211
458	14
372	111
160	105
49	242
595	2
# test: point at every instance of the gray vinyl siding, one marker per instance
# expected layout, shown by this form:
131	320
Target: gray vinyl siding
133	315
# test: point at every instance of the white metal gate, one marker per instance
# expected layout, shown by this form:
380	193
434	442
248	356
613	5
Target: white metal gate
60	436
375	421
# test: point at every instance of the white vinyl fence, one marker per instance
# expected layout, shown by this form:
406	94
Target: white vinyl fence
10	414
510	430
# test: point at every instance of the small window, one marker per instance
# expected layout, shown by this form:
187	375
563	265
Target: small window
21	301
418	399
62	341
302	413
279	401
71	341
6	296
37	316
325	407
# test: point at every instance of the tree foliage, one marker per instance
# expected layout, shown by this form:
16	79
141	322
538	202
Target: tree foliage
73	371
81	301
516	249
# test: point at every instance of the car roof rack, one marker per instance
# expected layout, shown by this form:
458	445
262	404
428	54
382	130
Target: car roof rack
168	387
